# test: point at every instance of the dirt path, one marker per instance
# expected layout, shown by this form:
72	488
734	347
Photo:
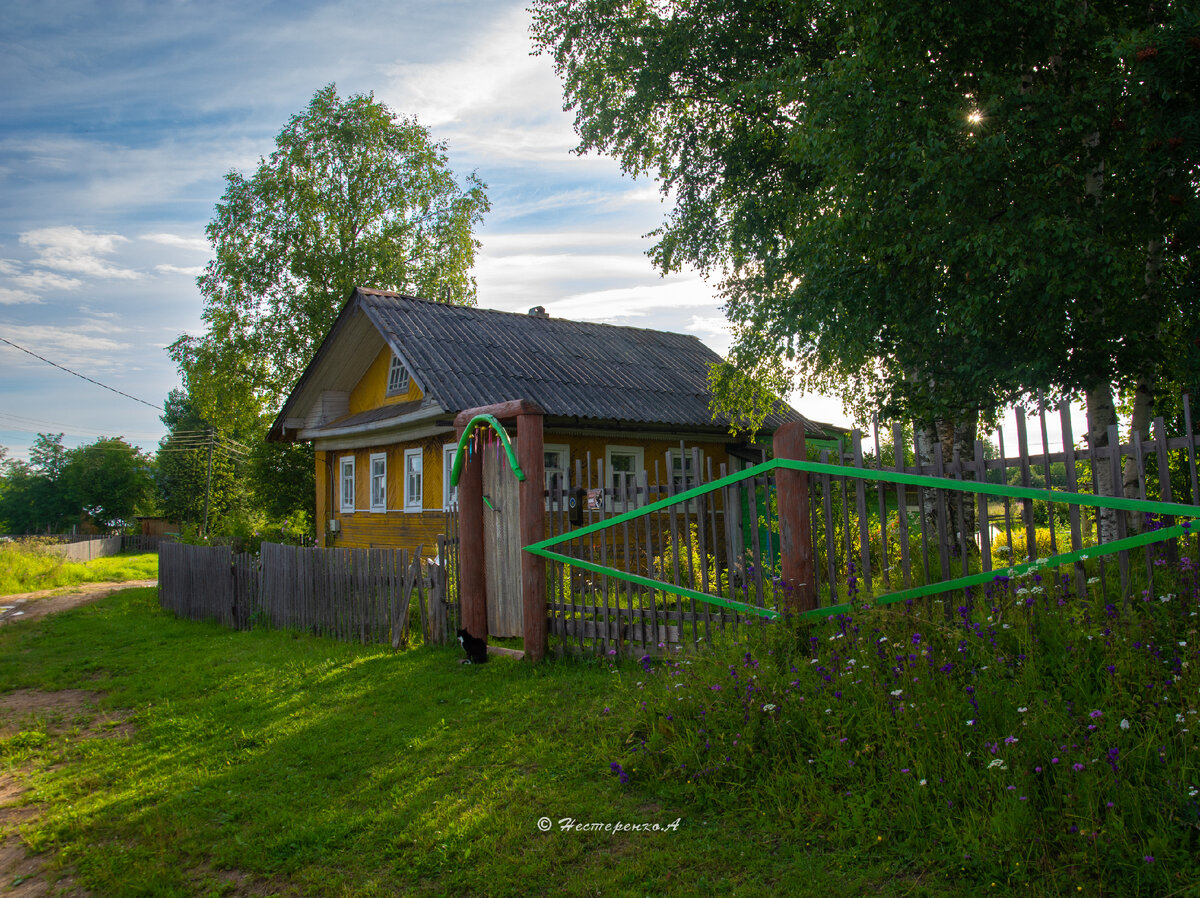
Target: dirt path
22	875
32	605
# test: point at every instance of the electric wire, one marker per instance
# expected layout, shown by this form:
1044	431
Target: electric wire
82	376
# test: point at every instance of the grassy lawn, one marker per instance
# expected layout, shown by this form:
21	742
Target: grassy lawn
25	568
263	763
1029	742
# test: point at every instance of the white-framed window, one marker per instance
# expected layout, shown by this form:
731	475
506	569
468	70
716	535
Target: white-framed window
413	479
683	473
557	465
449	493
397	377
626	467
379	481
346	477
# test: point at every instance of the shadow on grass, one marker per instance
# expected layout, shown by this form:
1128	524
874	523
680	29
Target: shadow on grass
313	767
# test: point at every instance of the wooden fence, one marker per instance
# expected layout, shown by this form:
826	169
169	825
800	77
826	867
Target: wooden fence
869	538
358	595
86	547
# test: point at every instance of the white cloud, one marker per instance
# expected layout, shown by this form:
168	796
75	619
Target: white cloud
668	295
8	266
47	280
17	297
66	346
492	100
68	248
198	244
190	271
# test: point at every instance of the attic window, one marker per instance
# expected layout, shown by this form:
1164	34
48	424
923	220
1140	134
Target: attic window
397	377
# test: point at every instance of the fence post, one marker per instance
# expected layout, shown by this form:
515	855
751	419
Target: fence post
795	533
531	453
472	581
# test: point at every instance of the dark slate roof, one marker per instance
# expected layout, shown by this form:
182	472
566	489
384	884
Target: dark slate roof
466	357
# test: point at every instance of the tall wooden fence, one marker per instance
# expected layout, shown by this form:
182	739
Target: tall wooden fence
868	537
358	595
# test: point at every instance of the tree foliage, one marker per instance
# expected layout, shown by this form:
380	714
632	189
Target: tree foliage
183	474
926	207
352	195
104	484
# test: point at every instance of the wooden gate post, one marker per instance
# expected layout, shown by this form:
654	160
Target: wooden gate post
531	454
472	583
795	529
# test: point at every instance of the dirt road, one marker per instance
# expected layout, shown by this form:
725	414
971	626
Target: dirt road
32	605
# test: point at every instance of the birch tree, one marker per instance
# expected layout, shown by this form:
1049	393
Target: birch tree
929	208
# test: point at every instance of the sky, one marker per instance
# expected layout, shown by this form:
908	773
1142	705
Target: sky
119	121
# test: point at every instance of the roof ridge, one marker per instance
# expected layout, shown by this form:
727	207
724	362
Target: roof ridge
394	294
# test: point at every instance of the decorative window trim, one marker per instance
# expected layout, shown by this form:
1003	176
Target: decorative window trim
413	504
379	483
398	378
639	472
346	476
449	493
566	470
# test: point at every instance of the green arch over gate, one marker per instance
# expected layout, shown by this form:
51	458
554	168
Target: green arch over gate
461	452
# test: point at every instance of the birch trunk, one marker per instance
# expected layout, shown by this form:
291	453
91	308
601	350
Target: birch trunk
1101	414
926	436
1143	393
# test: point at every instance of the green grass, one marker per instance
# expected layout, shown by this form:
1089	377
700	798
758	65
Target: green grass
1026	737
296	765
865	754
28	568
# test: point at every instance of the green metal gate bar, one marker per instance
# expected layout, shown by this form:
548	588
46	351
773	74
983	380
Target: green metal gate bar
1173	509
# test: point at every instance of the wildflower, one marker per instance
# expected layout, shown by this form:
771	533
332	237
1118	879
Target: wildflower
1077	767
897	692
922	782
768	708
1095	714
1149	859
1124	724
1022	710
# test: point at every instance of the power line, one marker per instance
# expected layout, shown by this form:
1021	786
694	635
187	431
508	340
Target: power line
68	429
83	376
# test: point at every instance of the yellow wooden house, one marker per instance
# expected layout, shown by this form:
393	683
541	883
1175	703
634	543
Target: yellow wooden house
379	398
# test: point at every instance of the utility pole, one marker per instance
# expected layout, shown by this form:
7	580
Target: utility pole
208	482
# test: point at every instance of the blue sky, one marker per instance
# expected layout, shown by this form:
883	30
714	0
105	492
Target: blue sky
119	121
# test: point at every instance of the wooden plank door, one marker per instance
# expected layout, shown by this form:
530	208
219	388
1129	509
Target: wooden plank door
502	546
